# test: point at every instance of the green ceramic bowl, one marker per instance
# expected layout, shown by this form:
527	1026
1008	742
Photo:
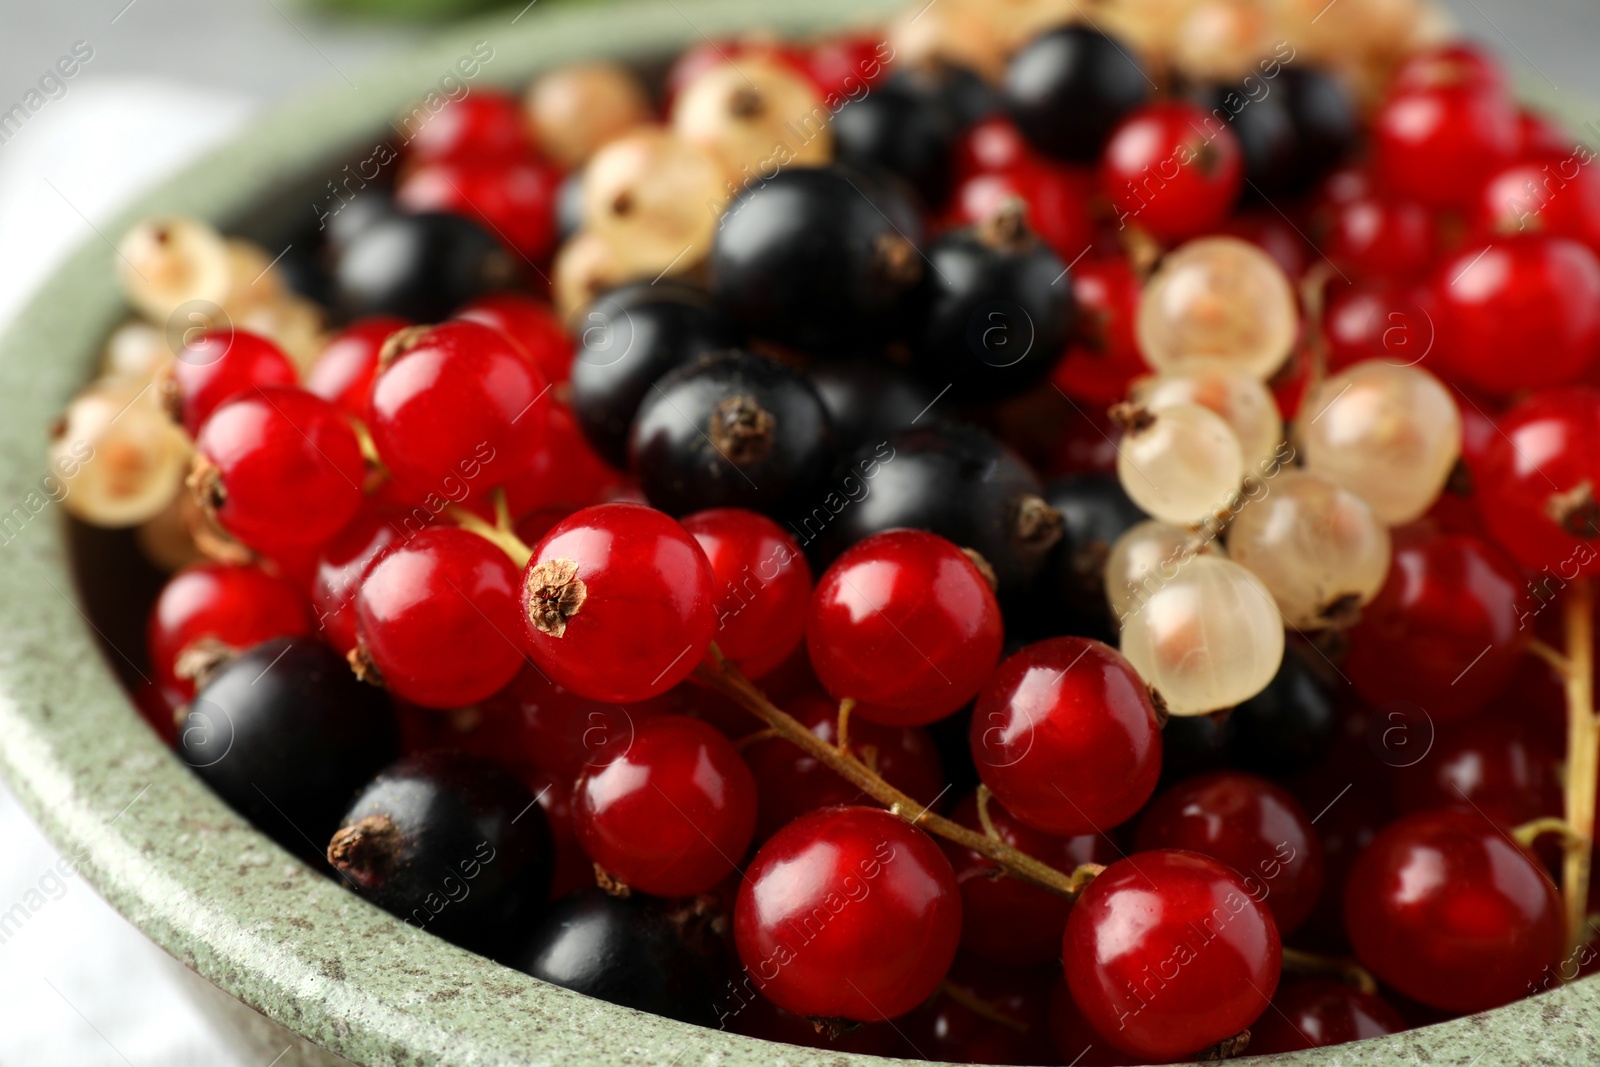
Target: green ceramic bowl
302	969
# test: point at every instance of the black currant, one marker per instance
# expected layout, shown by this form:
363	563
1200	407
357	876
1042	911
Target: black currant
451	843
868	400
1288	725
1068	89
962	92
667	957
817	257
957	481
624	342
353	217
1095	511
286	734
731	429
1265	131
901	131
1326	122
420	267
992	313
1193	744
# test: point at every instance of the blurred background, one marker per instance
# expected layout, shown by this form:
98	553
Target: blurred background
163	80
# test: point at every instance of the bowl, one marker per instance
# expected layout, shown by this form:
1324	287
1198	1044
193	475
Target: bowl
297	967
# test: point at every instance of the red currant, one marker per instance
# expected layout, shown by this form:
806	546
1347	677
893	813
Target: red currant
558	731
1437	144
1250	824
1004	920
530	323
1446	909
567	472
841	67
756	1016
484	126
1536	485
1518	314
792	782
1318	1012
763	585
340	567
1447	614
1167	953
1542	136
1074	1040
992	146
1104	357
235	604
848	913
1549	193
279	467
1065	735
618	603
1488	764
1376	320
458	403
1379	237
904	623
1172	170
343	373
219	365
671	815
437	618
1057	199
515	200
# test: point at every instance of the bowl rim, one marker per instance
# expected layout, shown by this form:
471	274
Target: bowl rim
191	874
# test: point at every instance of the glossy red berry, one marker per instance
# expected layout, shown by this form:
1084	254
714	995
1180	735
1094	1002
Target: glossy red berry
515	200
238	605
342	564
1437	144
566	473
791	782
1250	824
842	67
485	126
1065	735
1074	1040
1443	633
992	146
671	815
753	1015
1518	314
459	405
1445	908
530	323
343	373
1167	954
1461	63
905	624
1103	358
618	603
218	365
762	584
1552	192
1318	1012
848	913
1379	237
1057	197
1173	170
278	466
1377	320
437	618
1488	764
1004	920
559	732
1535	486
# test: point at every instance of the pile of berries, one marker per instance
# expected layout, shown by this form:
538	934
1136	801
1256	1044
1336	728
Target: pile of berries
996	540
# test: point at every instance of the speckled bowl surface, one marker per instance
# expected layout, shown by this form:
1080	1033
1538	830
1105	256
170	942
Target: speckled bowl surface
303	969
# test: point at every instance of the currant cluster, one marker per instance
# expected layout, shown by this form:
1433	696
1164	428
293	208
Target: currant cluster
902	543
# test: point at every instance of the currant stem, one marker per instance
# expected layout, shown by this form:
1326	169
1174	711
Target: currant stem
1557	661
502	510
983	813
1529	832
507	541
846	706
1583	755
981	1008
1351	973
719	674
